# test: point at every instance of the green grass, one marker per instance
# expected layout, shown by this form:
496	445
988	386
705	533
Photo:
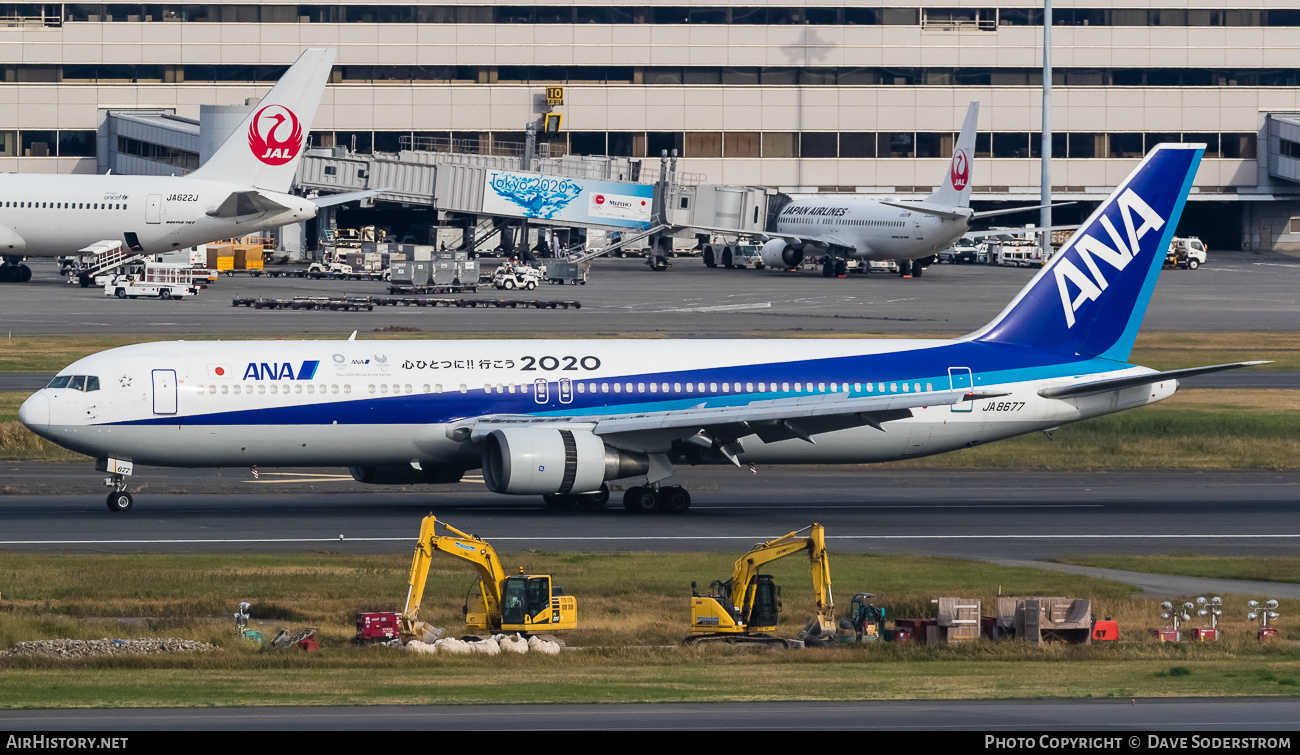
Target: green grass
1202	429
632	610
1252	568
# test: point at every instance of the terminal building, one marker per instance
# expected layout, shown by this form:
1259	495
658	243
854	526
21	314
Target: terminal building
815	97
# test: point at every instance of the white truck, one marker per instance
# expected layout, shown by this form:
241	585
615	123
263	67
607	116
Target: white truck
158	280
1187	253
733	256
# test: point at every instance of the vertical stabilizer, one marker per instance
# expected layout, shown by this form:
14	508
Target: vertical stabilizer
955	189
263	152
1090	298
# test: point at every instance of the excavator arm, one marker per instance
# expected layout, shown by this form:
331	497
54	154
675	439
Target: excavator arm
749	565
459	545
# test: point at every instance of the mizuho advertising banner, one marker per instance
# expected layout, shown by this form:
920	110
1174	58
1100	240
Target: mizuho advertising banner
579	200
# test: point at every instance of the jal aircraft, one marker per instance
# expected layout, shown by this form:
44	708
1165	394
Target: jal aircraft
864	228
242	188
561	418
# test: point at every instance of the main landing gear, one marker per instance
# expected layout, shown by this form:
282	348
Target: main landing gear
672	499
834	268
119	499
13	271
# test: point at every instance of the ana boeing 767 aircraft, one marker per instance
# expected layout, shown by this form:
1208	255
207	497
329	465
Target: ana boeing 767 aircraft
561	418
241	189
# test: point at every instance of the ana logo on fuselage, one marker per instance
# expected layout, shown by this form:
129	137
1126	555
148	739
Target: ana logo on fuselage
280	371
1089	249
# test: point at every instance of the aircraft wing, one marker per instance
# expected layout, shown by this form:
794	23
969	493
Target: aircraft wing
1115	384
1014	231
241	203
721	428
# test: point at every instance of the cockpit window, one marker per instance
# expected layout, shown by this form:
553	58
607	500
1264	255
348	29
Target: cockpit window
75	382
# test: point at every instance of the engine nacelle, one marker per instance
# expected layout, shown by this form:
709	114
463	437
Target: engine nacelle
551	461
405	474
778	254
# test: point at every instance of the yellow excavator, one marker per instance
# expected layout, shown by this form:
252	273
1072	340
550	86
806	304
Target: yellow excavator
745	608
525	603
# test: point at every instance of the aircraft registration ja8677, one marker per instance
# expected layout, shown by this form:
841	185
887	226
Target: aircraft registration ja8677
561	419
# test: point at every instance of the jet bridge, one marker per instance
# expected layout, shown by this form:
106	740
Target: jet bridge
611	193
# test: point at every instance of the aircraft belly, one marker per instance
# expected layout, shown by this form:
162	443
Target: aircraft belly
249	445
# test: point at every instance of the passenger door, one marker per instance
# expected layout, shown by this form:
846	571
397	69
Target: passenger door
164	392
153	209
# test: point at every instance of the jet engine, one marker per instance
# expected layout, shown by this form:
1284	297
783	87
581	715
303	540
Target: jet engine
780	255
405	474
553	461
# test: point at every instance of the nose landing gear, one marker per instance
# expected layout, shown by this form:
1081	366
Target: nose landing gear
119	499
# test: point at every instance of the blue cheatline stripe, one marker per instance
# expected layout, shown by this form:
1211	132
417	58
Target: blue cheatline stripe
990	363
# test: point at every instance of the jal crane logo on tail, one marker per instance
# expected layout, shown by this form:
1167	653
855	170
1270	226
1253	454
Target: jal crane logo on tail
960	170
275	136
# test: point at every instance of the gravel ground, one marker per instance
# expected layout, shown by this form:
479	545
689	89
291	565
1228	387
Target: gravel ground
86	648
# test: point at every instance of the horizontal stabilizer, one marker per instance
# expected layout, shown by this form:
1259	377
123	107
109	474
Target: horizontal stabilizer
1018	231
1013	210
329	200
926	209
241	203
1115	384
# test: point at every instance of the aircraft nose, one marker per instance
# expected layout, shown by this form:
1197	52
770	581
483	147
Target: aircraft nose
35	411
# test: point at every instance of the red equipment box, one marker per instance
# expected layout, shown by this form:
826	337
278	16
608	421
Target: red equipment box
377	626
1267	634
1105	631
1168	635
1205	634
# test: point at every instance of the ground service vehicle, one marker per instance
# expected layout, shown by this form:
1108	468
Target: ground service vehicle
732	256
516	276
746	607
159	280
525	603
962	252
1187	253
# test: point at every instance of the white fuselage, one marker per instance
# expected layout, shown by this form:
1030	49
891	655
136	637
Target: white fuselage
870	229
348	403
56	215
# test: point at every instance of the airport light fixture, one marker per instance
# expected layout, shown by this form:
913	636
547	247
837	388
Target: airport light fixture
1211	607
1266	615
1175	617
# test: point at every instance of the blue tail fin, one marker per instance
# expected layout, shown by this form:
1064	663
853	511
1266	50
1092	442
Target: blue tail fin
1091	297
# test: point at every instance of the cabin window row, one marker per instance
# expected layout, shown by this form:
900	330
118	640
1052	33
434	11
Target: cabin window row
711	387
67	205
